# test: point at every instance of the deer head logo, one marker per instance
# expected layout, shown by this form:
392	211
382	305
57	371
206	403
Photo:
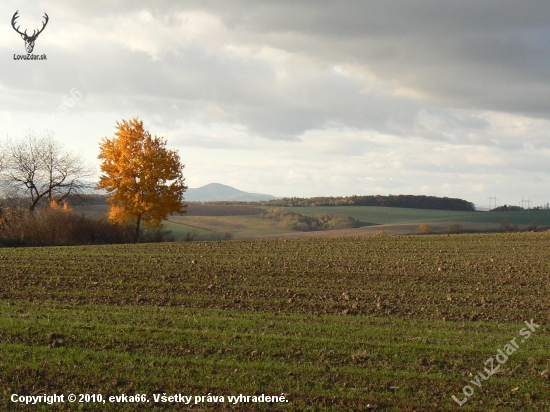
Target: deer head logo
29	40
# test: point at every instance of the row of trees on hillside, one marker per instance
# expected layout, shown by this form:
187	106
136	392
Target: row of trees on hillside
144	181
406	201
507	208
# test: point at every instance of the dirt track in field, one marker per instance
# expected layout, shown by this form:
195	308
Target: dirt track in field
391	230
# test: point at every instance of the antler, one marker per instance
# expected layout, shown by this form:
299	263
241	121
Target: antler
43	26
15	16
34	33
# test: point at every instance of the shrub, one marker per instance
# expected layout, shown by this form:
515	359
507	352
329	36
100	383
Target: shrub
424	229
337	221
5	214
57	226
505	225
304	223
291	220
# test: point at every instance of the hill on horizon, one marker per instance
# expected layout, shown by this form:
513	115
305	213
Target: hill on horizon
219	192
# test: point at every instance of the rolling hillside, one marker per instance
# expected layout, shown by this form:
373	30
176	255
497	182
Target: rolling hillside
223	221
373	215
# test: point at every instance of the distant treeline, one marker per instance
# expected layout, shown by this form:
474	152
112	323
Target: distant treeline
406	201
507	208
87	199
512	208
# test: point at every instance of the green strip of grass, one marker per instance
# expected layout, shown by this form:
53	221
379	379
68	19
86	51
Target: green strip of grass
315	359
394	215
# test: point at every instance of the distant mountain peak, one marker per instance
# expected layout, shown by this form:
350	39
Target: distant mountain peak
220	192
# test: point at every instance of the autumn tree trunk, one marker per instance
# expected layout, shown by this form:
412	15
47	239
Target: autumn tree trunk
136	234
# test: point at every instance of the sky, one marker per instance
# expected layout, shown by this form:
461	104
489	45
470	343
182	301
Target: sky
298	98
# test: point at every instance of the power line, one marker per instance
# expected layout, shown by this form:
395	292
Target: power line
523	202
491	198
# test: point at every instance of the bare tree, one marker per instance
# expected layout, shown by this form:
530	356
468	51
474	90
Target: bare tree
38	167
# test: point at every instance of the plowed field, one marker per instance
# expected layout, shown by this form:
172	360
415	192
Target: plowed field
398	323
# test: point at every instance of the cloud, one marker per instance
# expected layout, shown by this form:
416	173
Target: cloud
491	56
390	95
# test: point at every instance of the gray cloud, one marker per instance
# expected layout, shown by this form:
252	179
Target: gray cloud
493	55
490	56
466	74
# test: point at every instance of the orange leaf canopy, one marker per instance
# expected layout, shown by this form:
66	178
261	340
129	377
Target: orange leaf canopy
144	178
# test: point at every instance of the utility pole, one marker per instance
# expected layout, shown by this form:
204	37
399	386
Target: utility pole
527	201
490	198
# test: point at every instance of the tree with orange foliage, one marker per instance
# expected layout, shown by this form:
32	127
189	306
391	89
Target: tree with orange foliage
144	178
